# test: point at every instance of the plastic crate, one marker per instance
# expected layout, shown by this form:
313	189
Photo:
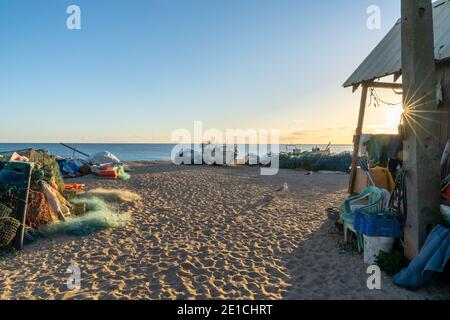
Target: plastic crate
382	224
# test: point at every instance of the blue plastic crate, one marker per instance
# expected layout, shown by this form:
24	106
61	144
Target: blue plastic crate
382	224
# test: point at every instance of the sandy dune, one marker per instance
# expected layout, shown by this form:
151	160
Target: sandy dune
206	233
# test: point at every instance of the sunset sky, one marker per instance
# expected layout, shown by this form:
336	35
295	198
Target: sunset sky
137	70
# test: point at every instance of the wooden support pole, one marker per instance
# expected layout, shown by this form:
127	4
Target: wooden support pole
421	146
21	213
359	129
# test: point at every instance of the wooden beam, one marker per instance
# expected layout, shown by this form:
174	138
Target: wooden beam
385	85
421	146
359	128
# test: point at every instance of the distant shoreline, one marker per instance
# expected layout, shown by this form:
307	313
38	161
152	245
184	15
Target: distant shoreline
138	152
155	143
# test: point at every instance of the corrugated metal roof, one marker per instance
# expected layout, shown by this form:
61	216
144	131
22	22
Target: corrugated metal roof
385	59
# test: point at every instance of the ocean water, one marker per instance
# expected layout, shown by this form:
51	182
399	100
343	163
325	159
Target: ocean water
129	152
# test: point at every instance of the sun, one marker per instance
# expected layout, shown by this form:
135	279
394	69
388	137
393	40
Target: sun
394	116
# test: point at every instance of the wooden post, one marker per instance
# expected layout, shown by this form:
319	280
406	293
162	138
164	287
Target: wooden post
421	146
21	213
359	129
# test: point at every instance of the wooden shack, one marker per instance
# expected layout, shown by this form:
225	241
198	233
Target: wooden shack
386	61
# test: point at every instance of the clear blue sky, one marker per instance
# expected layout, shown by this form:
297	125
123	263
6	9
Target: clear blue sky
139	69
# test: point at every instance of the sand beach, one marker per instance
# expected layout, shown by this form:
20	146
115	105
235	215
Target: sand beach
203	232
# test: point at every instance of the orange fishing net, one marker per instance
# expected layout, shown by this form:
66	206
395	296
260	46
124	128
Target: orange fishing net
38	210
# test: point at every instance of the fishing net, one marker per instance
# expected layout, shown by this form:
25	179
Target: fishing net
91	203
284	161
31	235
317	161
338	162
122	174
79	209
46	169
114	195
38	211
9	196
99	217
378	149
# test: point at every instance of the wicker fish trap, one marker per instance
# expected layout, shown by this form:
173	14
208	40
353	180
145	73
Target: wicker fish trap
8	230
5	211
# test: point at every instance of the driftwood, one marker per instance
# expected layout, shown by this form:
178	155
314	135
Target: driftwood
57	203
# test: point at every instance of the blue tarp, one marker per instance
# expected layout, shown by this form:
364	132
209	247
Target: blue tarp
432	259
70	167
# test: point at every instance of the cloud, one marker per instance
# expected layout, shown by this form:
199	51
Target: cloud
340	133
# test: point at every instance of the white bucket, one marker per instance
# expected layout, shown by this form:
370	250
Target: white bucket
373	246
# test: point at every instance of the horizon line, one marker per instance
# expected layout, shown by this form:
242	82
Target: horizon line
159	143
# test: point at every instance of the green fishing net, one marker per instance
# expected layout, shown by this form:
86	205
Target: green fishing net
46	168
92	203
98	217
49	170
316	161
378	149
122	174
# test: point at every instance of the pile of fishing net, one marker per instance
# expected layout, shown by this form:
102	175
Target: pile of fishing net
46	203
98	216
337	162
38	211
100	205
48	209
312	161
46	169
12	181
114	195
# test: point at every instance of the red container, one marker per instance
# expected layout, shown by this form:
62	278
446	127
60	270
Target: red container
76	187
109	173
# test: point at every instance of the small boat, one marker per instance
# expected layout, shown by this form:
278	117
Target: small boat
293	150
324	152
